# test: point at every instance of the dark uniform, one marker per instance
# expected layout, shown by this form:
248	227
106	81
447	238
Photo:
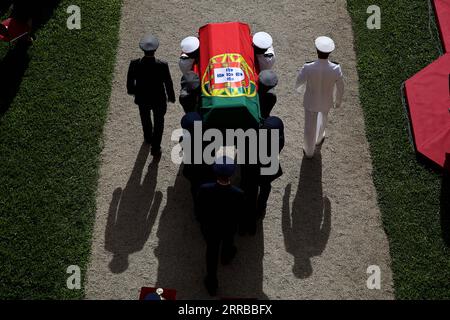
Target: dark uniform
219	207
150	82
265	181
257	187
190	95
268	80
196	173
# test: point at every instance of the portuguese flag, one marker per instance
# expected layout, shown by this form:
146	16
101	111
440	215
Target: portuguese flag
228	76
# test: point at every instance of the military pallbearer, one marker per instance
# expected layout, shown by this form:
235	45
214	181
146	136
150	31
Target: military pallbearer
150	82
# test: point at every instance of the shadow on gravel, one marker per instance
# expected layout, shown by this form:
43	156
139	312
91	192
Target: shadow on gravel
132	213
181	253
12	69
306	225
14	64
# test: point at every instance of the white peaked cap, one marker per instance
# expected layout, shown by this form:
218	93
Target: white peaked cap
190	44
325	44
262	40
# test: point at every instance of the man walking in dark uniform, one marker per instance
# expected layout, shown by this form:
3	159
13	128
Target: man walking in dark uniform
268	80
219	206
257	186
150	82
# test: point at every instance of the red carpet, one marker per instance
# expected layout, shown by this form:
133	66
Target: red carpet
168	294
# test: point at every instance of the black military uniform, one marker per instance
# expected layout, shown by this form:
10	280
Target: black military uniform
197	173
268	80
219	207
190	92
265	181
150	82
257	187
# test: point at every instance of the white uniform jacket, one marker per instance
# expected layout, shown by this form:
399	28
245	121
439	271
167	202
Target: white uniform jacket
266	60
321	77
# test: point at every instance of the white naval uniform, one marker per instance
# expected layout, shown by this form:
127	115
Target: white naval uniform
321	78
266	60
186	64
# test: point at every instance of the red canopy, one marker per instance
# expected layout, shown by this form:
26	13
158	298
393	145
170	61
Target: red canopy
429	102
16	29
168	294
442	8
428	95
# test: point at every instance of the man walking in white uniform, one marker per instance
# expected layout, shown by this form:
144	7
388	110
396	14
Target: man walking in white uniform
321	77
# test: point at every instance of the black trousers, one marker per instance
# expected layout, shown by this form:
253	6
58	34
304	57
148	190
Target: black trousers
263	196
153	134
214	242
249	185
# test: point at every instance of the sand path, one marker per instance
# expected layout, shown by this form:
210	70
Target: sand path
323	226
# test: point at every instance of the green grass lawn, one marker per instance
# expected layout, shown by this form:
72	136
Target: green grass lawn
408	193
50	140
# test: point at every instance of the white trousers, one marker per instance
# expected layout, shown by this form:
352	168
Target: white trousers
315	124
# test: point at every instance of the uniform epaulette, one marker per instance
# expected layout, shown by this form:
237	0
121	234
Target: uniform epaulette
309	61
269	55
335	62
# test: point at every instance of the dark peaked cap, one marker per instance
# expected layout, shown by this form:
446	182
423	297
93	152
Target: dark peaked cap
149	43
187	122
273	123
268	78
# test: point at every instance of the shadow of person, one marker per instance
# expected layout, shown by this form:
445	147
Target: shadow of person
445	202
306	225
243	279
42	12
4	6
16	61
132	213
12	69
181	248
181	253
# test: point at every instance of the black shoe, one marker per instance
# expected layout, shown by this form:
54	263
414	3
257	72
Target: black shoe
228	255
211	285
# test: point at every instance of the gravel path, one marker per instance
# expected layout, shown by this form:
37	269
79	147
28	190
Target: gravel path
323	226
